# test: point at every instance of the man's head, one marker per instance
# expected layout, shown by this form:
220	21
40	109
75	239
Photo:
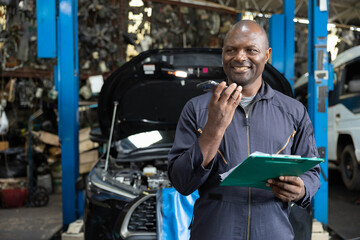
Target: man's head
245	53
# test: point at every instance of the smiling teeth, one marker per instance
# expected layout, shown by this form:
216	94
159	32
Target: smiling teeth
241	68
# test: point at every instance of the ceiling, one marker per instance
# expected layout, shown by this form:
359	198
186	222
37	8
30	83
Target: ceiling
344	12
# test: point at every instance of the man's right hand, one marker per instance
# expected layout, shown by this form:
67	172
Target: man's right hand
221	109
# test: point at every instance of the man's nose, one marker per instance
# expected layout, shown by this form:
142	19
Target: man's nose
241	55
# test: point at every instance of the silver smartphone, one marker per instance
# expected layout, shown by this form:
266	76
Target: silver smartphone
207	85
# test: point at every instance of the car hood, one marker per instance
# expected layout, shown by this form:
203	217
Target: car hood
151	97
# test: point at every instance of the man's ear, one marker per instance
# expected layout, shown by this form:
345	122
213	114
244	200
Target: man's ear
268	53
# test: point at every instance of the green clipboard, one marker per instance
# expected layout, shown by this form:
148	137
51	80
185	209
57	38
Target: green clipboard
255	170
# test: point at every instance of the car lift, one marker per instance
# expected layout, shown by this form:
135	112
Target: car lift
57	38
319	84
320	78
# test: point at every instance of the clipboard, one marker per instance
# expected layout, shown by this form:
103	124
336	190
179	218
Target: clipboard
255	170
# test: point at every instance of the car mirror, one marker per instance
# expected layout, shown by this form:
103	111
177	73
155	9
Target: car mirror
354	86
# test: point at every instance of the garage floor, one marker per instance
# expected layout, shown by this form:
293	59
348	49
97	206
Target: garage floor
344	213
44	222
32	223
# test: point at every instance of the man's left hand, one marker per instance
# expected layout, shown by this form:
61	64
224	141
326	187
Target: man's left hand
287	188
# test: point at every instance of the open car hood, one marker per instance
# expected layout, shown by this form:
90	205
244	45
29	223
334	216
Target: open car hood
151	97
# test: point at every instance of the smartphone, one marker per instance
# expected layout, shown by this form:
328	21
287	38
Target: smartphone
207	85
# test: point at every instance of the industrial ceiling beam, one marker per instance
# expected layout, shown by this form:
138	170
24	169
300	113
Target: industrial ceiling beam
347	11
255	5
227	3
300	4
266	5
199	4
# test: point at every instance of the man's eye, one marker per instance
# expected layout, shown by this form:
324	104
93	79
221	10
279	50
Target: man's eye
230	50
253	50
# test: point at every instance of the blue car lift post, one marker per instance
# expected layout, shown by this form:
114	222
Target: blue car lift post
57	38
282	41
319	84
281	38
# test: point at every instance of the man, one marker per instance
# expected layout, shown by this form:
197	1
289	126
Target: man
218	130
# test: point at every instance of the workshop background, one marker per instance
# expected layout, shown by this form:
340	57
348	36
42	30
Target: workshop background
110	33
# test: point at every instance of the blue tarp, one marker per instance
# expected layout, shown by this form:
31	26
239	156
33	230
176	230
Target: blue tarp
174	214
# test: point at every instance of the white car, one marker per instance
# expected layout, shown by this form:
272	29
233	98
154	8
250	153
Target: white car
343	115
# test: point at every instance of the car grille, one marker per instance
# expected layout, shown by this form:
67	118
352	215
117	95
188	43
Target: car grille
143	217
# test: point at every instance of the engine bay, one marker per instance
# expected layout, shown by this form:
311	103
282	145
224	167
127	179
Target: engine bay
141	175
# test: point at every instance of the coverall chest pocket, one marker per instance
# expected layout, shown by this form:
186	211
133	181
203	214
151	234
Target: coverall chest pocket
285	146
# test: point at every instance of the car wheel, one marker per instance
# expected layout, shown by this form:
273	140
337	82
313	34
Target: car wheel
350	169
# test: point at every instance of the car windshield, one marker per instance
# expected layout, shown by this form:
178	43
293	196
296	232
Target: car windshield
146	140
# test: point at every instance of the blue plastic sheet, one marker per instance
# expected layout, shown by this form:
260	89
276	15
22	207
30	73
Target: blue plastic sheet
174	214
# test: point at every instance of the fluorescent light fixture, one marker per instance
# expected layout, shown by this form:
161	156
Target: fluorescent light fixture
142	140
136	3
248	16
304	21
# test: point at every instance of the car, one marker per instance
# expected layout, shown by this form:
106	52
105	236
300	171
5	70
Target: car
138	108
343	116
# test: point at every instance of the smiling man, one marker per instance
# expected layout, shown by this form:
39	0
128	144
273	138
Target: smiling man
217	131
245	52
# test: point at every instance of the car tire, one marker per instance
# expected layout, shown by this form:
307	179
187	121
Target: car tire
349	168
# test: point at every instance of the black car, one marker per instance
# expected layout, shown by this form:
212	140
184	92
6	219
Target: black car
141	103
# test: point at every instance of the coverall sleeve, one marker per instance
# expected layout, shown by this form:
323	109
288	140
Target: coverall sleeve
185	168
305	146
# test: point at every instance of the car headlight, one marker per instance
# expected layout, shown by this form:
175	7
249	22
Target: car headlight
102	180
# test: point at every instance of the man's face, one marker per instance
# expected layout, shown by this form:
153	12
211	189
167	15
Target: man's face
244	55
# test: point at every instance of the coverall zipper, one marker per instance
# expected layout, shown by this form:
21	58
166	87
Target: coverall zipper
248	151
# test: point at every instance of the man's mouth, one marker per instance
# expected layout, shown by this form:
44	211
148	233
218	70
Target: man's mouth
241	69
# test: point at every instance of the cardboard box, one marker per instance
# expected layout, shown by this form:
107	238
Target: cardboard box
84	134
87	145
48	138
88	160
72	236
54	151
4	145
74	231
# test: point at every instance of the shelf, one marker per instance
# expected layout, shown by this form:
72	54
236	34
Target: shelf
28	73
35	73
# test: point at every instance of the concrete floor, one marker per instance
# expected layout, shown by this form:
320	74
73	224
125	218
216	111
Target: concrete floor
32	223
344	213
44	222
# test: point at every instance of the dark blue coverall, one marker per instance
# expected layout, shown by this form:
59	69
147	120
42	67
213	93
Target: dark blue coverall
274	122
